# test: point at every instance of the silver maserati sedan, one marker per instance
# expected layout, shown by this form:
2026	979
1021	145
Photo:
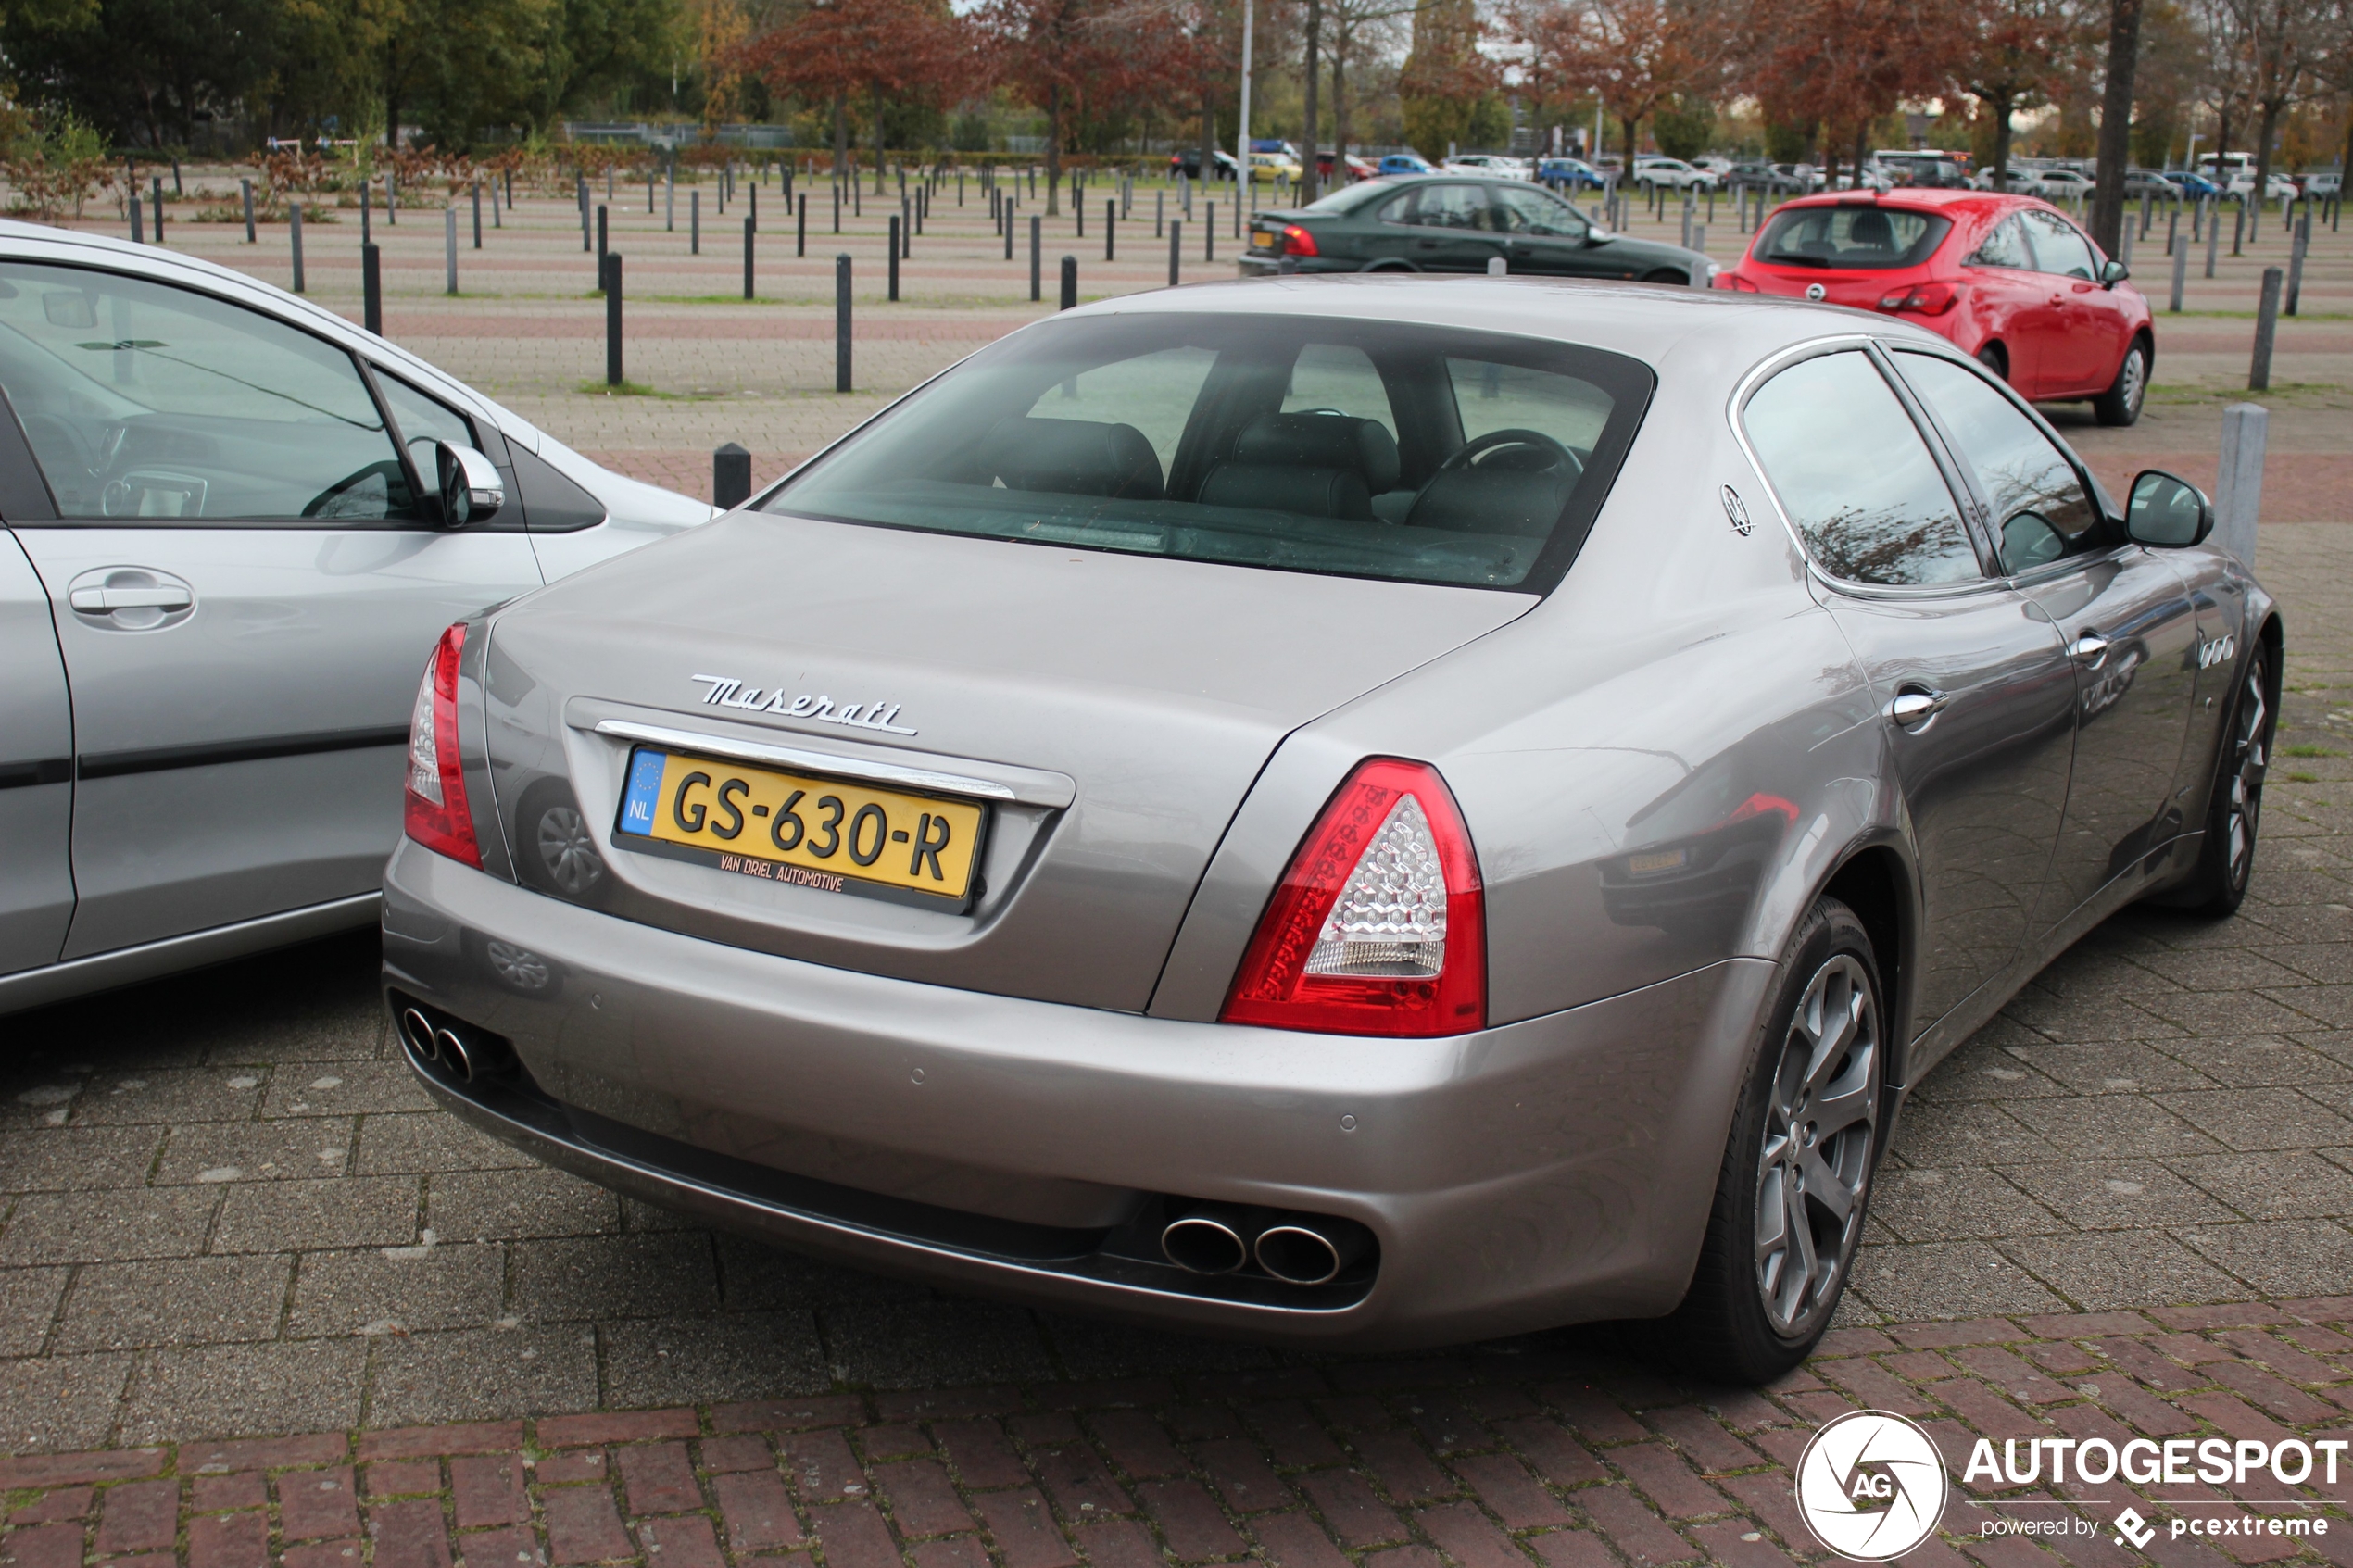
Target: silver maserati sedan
1350	810
231	522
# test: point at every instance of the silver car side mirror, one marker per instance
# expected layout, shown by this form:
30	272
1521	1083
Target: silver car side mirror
2166	512
472	488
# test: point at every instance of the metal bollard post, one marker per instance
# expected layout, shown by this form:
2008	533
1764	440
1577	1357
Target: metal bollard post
477	201
508	175
800	227
837	207
1078	206
893	289
392	196
1111	220
2295	263
1035	244
587	240
751	227
2125	246
366	188
2213	239
159	209
1176	255
1009	230
2181	276
1699	238
2238	229
906	245
730	477
1070	281
246	187
841	322
1160	213
1209	232
612	318
371	289
2267	325
2173	229
694	222
294	231
449	245
138	207
602	246
751	213
649	191
2238	487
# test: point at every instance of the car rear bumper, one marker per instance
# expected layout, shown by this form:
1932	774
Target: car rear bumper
1555	1170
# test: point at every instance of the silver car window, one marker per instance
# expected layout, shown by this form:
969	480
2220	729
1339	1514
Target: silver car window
1853	475
148	401
424	419
1338	378
2039	509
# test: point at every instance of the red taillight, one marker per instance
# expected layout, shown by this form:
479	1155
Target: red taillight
1733	281
1380	924
1298	240
436	814
1927	299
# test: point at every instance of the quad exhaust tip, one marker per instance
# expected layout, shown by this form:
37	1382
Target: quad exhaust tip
417	1029
457	1049
1302	1249
449	1049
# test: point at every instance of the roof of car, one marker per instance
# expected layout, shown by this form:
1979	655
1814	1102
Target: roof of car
1925	198
1650	322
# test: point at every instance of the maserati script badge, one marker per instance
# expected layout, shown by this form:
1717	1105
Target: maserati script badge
728	691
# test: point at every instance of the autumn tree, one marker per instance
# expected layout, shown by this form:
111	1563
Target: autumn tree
2283	40
883	49
1447	83
1065	57
2005	53
1636	56
1846	62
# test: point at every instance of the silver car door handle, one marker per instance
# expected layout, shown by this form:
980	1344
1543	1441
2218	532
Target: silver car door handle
1915	706
106	601
2090	647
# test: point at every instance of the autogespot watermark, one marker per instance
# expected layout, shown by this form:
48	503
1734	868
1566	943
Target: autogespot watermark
1873	1486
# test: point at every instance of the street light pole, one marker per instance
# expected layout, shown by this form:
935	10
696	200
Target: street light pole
1242	133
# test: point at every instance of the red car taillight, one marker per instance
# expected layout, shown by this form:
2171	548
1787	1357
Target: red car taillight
1380	924
1298	240
435	811
1929	299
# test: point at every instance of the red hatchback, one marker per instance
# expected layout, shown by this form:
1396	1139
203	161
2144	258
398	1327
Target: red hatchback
2007	278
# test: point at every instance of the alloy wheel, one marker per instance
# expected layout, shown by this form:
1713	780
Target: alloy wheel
2136	379
2250	759
1821	1125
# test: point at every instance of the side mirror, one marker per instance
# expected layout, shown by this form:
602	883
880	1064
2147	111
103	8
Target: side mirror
2113	273
471	487
2166	512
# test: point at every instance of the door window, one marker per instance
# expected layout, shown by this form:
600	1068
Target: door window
424	420
2040	510
1853	475
1452	207
1339	378
2006	247
150	402
2058	248
1534	212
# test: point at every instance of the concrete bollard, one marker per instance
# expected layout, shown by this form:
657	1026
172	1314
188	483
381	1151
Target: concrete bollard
1497	267
841	322
2267	326
1070	281
2181	278
477	204
293	233
159	209
2213	238
751	228
891	292
613	317
371	289
730	477
2295	263
449	245
1209	232
1111	220
694	222
1176	245
1036	243
801	225
2238	485
246	186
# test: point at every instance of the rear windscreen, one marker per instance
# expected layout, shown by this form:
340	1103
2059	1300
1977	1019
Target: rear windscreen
1856	238
1354	448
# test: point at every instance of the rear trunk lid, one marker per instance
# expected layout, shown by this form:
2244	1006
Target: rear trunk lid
1863	290
1106	712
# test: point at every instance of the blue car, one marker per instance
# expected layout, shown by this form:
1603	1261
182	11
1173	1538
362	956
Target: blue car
1573	173
2194	186
1404	163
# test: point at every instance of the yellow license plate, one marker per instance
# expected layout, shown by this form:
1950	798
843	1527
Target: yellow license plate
805	829
1262	239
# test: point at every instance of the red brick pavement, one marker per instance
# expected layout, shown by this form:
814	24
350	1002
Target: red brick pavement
1543	1459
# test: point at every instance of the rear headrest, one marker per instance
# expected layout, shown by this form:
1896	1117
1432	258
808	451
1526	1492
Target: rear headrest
1075	457
1323	441
1284	487
1872	228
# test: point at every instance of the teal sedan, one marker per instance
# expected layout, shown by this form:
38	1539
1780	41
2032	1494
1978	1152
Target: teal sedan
1458	223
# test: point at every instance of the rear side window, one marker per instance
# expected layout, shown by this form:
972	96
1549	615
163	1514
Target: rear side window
1852	236
1853	473
2005	246
2039	509
1347	448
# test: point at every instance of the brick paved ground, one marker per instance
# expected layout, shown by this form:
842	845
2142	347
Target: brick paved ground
229	1217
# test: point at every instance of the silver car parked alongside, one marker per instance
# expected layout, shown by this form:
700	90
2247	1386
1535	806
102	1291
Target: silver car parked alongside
1331	809
231	524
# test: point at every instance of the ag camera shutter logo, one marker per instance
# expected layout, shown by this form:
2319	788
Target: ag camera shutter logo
1871	1486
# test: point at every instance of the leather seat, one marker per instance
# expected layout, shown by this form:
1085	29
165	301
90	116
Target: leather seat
1075	457
1320	465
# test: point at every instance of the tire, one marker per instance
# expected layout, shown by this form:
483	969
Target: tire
2120	404
1754	1310
1997	358
1390	266
1668	275
2218	883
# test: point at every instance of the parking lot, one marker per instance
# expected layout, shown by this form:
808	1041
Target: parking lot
272	1305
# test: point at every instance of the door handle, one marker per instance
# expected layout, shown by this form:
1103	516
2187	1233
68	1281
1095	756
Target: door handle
1915	706
2090	647
106	601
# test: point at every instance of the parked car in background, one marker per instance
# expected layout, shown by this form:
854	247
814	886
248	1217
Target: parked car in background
1404	163
2150	183
1803	178
2061	183
232	527
2009	278
1188	162
1766	177
1569	173
1448	222
2193	185
1265	167
1871	177
1673	174
1497	164
2321	183
1350	166
2278	188
2013	180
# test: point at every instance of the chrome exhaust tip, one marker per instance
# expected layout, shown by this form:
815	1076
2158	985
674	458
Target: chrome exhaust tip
1209	1240
1299	1250
450	1048
417	1030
